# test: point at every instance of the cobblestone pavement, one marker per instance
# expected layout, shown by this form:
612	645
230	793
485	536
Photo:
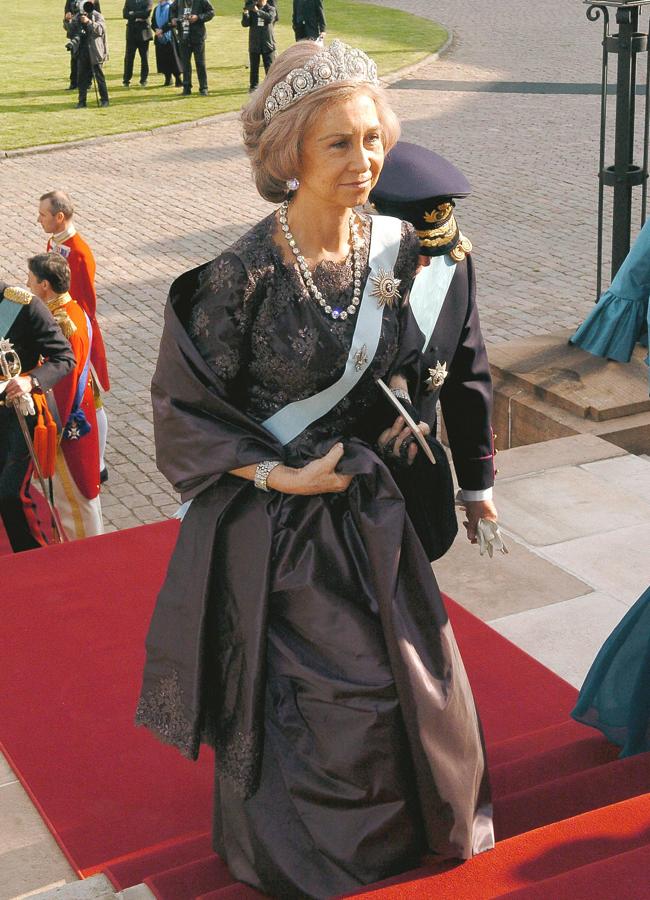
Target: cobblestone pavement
154	205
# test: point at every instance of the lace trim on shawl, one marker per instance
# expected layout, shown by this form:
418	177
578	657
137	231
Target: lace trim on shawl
161	709
239	759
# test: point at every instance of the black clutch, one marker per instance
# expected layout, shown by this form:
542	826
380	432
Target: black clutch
428	492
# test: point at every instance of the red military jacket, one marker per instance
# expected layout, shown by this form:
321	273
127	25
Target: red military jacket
82	287
82	454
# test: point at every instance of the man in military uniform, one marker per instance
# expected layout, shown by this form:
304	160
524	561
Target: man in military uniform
33	333
419	186
55	215
75	481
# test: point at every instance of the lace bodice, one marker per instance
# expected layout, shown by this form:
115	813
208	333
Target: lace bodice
265	337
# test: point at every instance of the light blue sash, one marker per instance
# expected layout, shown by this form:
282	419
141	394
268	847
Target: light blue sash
428	293
294	418
9	312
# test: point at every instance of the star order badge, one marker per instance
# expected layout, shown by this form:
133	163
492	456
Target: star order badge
72	432
385	288
437	376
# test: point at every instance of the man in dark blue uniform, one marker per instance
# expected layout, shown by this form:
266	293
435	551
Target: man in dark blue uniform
419	186
31	329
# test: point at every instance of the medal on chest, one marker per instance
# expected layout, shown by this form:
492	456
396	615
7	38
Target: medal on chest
437	376
385	288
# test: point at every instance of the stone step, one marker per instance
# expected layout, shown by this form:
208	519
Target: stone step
546	389
97	887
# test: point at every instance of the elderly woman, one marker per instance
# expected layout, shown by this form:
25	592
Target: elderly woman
300	630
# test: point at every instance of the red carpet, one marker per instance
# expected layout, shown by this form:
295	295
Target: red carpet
72	644
590	841
117	800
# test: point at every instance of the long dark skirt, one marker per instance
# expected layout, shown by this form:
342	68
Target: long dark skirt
336	669
337	806
167	59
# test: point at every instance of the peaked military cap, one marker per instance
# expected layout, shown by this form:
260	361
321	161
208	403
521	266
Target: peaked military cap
420	186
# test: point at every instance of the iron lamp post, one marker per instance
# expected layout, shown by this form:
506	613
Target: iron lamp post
624	174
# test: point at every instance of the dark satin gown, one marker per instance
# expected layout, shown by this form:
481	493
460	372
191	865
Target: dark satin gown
363	686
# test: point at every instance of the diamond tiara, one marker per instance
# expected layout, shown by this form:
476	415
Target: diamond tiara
338	63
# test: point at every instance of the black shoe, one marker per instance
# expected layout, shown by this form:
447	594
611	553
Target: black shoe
72	87
81	105
126	83
104	103
103	476
143	83
179	83
203	92
187	91
168	81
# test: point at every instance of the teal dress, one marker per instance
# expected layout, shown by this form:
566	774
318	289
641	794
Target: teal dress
620	318
615	697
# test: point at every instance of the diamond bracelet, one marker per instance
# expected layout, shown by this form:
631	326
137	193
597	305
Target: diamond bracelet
262	473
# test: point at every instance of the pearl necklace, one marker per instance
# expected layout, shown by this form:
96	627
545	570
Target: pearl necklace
307	277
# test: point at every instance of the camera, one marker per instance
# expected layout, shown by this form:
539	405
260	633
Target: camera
86	8
73	44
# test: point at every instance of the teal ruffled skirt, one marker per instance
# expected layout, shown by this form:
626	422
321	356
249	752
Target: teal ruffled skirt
615	697
620	318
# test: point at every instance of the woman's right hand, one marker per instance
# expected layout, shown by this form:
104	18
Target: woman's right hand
317	477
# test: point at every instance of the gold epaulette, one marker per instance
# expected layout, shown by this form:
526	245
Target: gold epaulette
462	249
57	306
18	295
65	323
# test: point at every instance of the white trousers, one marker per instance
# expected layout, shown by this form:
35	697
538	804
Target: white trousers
80	516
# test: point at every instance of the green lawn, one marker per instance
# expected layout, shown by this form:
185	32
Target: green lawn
36	109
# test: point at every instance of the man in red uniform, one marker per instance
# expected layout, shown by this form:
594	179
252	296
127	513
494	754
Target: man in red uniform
76	477
55	214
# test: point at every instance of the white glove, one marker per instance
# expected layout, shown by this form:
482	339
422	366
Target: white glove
25	404
489	538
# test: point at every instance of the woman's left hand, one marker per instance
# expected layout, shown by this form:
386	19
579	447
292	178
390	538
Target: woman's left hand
392	440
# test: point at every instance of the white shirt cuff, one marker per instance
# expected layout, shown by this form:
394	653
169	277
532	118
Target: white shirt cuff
485	494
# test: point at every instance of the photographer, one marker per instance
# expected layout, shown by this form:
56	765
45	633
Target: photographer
258	16
70	9
189	18
138	35
87	43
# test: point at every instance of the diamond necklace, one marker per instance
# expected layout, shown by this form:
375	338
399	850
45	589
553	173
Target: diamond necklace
308	279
